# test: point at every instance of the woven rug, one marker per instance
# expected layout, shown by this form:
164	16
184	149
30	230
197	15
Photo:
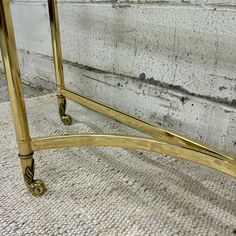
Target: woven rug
107	191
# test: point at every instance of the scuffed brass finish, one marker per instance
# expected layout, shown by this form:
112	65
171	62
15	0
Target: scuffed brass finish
163	140
36	187
66	119
223	164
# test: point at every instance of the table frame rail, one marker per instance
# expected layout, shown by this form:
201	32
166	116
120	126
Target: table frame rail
162	140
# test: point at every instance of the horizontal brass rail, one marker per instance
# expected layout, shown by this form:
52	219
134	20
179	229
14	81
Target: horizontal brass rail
222	164
154	130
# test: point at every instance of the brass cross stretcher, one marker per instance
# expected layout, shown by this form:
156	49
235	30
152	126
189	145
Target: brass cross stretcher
162	140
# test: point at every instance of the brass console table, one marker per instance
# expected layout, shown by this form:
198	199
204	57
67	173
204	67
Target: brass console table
163	140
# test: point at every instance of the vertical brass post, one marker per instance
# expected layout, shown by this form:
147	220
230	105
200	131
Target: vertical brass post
12	70
57	57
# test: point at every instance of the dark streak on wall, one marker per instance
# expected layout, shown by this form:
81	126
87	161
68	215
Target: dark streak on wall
176	88
142	77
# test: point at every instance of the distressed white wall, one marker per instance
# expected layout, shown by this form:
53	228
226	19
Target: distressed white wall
172	62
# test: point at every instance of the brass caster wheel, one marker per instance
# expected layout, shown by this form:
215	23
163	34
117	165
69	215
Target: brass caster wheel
37	188
67	120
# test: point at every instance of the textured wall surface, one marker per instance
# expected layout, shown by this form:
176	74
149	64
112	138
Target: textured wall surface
172	62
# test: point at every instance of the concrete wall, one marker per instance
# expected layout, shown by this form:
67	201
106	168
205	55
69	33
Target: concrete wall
172	62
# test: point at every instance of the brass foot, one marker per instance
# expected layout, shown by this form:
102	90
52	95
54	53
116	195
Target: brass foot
66	119
36	187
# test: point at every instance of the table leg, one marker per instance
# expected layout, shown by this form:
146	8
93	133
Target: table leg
57	57
12	70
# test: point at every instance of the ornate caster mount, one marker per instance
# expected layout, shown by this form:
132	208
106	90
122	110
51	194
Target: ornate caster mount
66	119
35	186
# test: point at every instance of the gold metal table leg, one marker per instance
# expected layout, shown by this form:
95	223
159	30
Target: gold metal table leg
10	59
57	57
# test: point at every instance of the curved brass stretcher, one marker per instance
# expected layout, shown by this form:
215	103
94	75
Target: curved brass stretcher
162	140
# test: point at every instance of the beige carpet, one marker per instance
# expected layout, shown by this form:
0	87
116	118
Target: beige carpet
107	191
